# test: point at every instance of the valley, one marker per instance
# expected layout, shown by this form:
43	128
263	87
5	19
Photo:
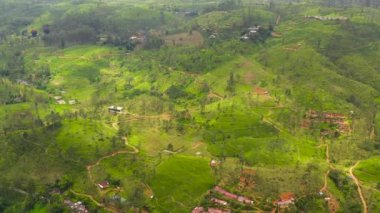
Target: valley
179	106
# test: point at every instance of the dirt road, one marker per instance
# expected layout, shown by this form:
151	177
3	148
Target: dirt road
356	180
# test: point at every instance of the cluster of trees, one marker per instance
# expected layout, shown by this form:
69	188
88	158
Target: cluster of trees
193	59
346	186
92	24
16	15
350	3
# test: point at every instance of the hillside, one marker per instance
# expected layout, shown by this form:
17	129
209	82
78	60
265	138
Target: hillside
157	106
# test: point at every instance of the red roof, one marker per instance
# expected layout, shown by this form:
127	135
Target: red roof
286	196
261	91
198	209
334	115
104	184
233	196
213	210
218	201
225	193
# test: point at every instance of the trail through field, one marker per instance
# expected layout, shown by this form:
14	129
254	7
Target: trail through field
18	190
91	166
112	154
333	203
356	180
196	145
214	94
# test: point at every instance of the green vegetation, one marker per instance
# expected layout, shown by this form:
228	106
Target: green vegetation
258	98
179	183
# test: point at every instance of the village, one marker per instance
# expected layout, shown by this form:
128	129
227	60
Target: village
329	124
327	18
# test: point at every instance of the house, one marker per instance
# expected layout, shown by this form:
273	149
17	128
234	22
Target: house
261	91
198	209
23	82
286	199
232	196
214	210
104	184
245	200
57	98
191	13
225	193
61	102
213	36
219	202
72	102
321	18
214	163
334	116
138	38
115	109
253	30
76	207
244	37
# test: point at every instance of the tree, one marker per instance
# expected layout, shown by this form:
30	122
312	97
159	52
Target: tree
175	92
231	83
63	43
170	147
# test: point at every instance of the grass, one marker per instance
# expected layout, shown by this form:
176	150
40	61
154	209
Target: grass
180	182
368	171
298	73
85	138
184	39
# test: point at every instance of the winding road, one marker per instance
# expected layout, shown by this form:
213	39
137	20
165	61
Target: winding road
112	154
357	183
89	168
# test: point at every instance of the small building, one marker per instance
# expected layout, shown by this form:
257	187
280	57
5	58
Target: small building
23	82
137	39
214	210
191	13
57	98
232	196
252	32
198	209
286	199
225	193
104	184
77	207
61	102
244	37
72	102
115	109
245	200
214	163
219	202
